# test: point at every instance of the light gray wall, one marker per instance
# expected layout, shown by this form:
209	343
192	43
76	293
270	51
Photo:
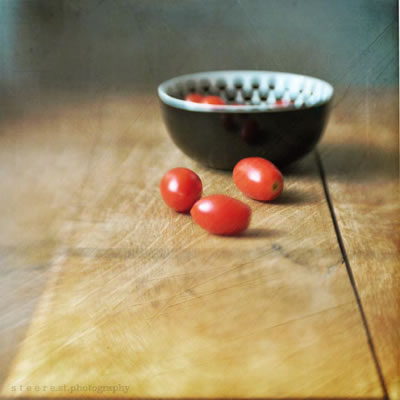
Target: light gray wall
138	43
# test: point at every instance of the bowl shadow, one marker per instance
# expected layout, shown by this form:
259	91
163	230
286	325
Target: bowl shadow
358	162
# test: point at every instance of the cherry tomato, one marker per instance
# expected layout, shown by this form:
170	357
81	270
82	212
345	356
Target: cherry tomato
221	215
213	100
194	97
283	103
180	188
258	178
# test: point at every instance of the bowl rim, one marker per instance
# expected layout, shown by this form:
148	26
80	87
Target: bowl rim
231	108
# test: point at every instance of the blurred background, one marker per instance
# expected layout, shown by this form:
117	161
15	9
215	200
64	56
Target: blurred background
133	45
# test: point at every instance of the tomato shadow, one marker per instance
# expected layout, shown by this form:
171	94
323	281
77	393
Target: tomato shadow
261	233
291	196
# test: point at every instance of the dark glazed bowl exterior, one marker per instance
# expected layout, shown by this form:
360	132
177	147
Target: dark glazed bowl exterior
220	136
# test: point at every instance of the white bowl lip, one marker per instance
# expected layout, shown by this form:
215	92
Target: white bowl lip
198	107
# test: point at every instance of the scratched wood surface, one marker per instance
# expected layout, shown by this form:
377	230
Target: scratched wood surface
360	155
102	285
137	297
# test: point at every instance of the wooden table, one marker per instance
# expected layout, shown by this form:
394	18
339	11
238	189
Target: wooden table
108	293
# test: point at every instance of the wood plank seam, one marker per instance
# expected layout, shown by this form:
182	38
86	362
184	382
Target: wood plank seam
350	273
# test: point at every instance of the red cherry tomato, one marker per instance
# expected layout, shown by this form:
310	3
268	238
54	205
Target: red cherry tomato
283	103
258	178
180	188
194	97
213	100
221	215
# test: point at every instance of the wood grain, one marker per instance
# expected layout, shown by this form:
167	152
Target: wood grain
140	297
102	285
360	154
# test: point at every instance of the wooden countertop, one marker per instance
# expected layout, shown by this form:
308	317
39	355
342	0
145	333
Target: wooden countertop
103	286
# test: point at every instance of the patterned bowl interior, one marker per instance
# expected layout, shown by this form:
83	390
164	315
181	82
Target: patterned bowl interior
253	90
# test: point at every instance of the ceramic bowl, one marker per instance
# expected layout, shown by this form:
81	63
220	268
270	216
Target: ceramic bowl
276	115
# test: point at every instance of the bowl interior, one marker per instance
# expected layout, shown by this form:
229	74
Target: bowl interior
253	90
